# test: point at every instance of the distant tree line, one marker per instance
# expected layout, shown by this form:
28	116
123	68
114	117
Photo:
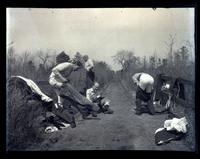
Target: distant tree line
177	63
37	66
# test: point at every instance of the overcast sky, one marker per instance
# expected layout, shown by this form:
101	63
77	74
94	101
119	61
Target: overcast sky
100	33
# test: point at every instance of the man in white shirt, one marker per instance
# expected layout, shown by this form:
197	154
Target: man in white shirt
144	92
90	75
103	103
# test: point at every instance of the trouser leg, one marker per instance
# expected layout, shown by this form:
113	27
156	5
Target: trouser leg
151	107
65	115
145	97
138	103
81	102
91	75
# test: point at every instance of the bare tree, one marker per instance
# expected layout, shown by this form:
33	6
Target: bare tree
190	46
10	60
170	44
44	57
124	58
25	57
52	59
144	62
152	62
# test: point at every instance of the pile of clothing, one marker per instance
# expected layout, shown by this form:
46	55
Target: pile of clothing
52	122
174	129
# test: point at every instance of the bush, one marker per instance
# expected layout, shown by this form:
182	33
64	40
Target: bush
23	117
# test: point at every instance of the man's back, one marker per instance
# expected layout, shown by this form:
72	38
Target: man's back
64	68
145	81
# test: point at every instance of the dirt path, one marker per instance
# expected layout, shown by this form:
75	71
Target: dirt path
122	130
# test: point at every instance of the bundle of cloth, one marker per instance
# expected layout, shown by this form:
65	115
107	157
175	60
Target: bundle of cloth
52	121
34	88
174	129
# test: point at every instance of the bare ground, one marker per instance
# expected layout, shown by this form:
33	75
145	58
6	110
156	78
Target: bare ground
122	130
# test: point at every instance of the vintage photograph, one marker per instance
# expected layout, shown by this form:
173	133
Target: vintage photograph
100	79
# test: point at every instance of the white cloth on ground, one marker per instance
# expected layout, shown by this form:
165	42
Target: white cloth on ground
176	124
35	89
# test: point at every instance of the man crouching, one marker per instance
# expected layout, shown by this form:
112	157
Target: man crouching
102	102
144	92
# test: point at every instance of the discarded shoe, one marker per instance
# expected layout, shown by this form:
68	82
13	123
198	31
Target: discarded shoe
50	129
84	116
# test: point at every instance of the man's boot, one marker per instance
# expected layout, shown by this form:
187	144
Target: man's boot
94	114
138	107
151	107
85	116
109	111
73	125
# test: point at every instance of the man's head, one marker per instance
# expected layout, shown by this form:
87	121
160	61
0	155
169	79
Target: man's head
76	65
95	86
85	58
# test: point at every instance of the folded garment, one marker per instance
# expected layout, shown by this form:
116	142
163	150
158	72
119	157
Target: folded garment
180	125
33	86
162	136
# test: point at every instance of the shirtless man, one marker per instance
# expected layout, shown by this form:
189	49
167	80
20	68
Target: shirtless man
59	81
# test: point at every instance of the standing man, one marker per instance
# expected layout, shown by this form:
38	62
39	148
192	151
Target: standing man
90	75
144	92
65	91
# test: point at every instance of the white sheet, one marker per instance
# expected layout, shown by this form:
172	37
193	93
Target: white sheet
35	89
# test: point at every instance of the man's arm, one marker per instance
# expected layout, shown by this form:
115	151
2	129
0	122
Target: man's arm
135	78
58	74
